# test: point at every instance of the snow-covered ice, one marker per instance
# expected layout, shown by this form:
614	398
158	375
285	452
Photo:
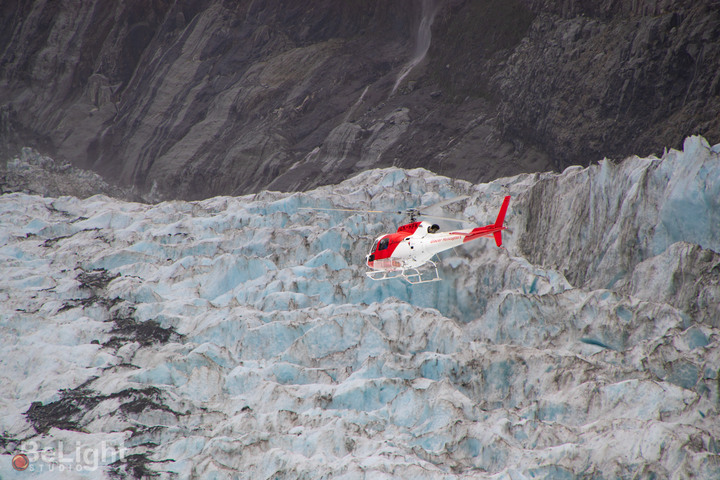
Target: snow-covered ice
238	337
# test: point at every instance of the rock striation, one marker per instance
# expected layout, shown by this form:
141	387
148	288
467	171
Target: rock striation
213	97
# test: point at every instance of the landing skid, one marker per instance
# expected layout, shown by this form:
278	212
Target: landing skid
411	275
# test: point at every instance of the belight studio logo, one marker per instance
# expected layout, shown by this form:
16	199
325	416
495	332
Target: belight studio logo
60	457
20	462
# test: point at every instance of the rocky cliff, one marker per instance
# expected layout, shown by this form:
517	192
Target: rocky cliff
216	97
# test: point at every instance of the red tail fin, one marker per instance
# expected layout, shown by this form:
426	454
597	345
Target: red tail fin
500	220
501	215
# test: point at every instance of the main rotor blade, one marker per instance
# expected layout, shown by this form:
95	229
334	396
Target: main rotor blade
447	219
447	202
345	210
443	204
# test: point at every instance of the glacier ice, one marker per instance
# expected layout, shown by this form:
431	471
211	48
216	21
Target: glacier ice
238	337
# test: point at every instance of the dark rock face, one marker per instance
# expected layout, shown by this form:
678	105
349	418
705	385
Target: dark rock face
217	97
594	79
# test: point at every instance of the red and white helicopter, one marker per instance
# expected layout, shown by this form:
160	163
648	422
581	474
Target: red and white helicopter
408	252
403	253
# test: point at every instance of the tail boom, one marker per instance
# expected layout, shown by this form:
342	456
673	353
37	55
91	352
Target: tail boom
492	230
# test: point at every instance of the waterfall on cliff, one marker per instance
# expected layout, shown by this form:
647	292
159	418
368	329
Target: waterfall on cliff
422	43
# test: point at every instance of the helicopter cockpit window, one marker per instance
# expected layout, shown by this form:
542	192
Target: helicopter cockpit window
383	244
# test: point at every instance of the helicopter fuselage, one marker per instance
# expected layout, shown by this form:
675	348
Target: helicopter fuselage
411	246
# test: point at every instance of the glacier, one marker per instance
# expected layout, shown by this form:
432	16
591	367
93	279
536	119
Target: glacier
238	337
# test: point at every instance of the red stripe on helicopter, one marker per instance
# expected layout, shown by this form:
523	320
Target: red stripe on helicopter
394	240
409	228
487	231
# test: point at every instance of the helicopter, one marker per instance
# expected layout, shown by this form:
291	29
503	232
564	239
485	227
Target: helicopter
408	252
403	253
